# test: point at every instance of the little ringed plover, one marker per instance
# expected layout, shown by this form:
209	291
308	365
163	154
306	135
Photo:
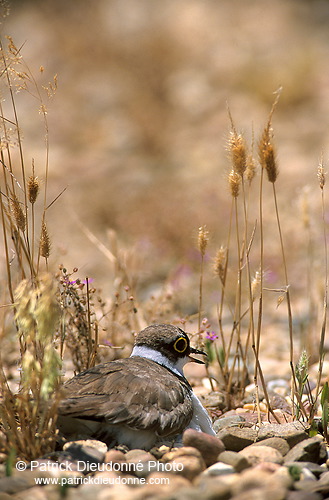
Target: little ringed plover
140	401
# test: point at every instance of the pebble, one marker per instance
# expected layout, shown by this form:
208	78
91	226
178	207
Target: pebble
236	438
88	450
256	454
37	493
114	456
18	482
275	442
303	495
234	459
186	461
292	432
146	462
209	446
151	490
267	468
219	469
228	421
258	482
310	450
212	488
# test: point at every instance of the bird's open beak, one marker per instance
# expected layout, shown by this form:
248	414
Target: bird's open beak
197	351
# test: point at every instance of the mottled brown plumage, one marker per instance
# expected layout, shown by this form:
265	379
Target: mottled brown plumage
134	401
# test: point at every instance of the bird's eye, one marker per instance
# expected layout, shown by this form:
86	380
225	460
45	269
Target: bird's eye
180	344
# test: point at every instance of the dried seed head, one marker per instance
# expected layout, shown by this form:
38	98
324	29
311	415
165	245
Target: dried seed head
270	163
256	285
321	175
267	155
33	186
44	241
19	216
238	151
234	180
203	238
220	263
266	150
251	168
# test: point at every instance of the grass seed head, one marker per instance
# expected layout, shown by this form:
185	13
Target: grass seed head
44	242
256	285
267	157
220	263
203	238
321	175
238	151
302	368
234	180
250	171
18	213
33	186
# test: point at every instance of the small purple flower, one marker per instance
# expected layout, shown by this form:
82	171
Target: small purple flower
84	282
211	336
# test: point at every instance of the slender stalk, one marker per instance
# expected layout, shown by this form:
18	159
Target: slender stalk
322	179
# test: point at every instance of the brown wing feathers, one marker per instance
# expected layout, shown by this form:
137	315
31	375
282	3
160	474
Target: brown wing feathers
125	392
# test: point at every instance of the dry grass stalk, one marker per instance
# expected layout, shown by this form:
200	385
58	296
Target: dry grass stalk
29	418
322	180
203	238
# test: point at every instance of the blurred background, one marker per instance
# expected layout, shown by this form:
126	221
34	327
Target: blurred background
139	125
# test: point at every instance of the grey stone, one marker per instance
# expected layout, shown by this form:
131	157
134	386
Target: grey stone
227	421
19	482
309	450
237	438
262	494
212	488
219	469
234	458
324	478
256	454
90	451
259	485
303	495
37	493
293	432
275	442
145	460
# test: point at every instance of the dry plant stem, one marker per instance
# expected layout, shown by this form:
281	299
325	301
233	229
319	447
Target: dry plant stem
223	285
256	340
90	344
200	296
325	299
236	316
20	147
8	268
251	302
291	342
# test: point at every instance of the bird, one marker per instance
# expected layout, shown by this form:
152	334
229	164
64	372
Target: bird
139	402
